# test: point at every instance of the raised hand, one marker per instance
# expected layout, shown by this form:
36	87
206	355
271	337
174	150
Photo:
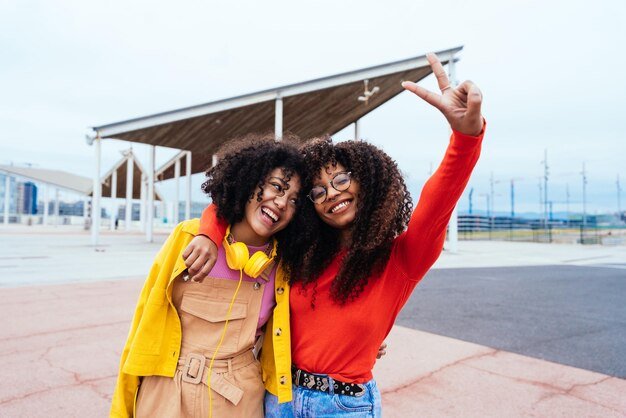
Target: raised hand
460	105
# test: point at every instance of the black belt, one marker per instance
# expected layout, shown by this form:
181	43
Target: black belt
322	383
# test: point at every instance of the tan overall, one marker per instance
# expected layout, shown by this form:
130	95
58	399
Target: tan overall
236	379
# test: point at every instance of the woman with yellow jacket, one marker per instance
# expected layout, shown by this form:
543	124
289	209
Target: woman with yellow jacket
190	347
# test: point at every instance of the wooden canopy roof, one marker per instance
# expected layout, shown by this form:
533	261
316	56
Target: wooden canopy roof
122	167
312	108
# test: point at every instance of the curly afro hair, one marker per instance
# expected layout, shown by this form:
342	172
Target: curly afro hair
242	170
383	211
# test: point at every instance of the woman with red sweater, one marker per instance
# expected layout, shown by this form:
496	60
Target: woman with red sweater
366	251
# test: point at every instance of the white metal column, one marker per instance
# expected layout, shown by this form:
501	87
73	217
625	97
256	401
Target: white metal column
113	199
453	226
97	192
177	193
7	196
278	119
188	194
130	169
142	204
150	206
46	202
357	130
85	205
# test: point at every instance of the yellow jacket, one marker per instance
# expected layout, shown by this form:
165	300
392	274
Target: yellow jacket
153	344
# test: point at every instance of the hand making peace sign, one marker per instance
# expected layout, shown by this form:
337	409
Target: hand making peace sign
460	105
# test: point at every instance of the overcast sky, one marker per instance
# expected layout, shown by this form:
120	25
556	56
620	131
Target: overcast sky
551	72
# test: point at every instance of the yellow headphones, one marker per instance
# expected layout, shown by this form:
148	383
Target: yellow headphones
238	256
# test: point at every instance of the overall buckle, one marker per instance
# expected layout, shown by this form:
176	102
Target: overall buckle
193	370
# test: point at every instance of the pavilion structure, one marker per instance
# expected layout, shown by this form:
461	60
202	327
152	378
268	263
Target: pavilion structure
307	109
129	179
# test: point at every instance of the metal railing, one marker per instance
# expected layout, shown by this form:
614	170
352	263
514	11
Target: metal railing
475	227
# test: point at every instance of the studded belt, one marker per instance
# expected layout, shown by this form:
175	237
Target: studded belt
323	382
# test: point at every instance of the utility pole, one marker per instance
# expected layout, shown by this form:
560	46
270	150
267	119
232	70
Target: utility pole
513	180
491	192
551	202
567	201
512	198
545	186
471	192
584	177
619	198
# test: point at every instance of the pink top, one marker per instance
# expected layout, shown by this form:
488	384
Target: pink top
222	271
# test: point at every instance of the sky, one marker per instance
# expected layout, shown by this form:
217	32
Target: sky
551	73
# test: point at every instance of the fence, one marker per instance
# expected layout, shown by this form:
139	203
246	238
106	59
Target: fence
474	227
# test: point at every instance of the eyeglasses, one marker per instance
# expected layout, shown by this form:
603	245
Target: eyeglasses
340	182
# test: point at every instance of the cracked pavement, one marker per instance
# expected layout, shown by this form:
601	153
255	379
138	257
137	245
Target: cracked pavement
61	339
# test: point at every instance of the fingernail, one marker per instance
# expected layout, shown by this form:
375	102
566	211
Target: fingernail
405	84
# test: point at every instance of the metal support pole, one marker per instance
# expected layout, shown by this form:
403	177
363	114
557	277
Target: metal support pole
567	202
150	206
46	202
357	130
188	194
545	187
7	197
130	170
142	203
97	192
177	193
56	207
584	174
278	119
113	199
512	198
619	198
85	205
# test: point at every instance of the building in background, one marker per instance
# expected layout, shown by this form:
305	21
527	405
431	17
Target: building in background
12	192
26	198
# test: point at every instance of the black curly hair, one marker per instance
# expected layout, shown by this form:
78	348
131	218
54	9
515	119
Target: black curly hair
241	173
383	211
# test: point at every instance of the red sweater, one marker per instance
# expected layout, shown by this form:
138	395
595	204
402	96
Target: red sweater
342	341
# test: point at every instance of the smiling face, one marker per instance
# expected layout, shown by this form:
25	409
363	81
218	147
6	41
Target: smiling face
270	212
339	209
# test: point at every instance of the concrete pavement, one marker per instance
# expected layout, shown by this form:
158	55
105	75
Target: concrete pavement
60	346
427	375
60	343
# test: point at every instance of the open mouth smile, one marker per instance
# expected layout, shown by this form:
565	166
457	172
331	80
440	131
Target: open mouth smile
340	207
268	214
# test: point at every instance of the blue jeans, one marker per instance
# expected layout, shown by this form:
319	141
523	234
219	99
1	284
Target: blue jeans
313	403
